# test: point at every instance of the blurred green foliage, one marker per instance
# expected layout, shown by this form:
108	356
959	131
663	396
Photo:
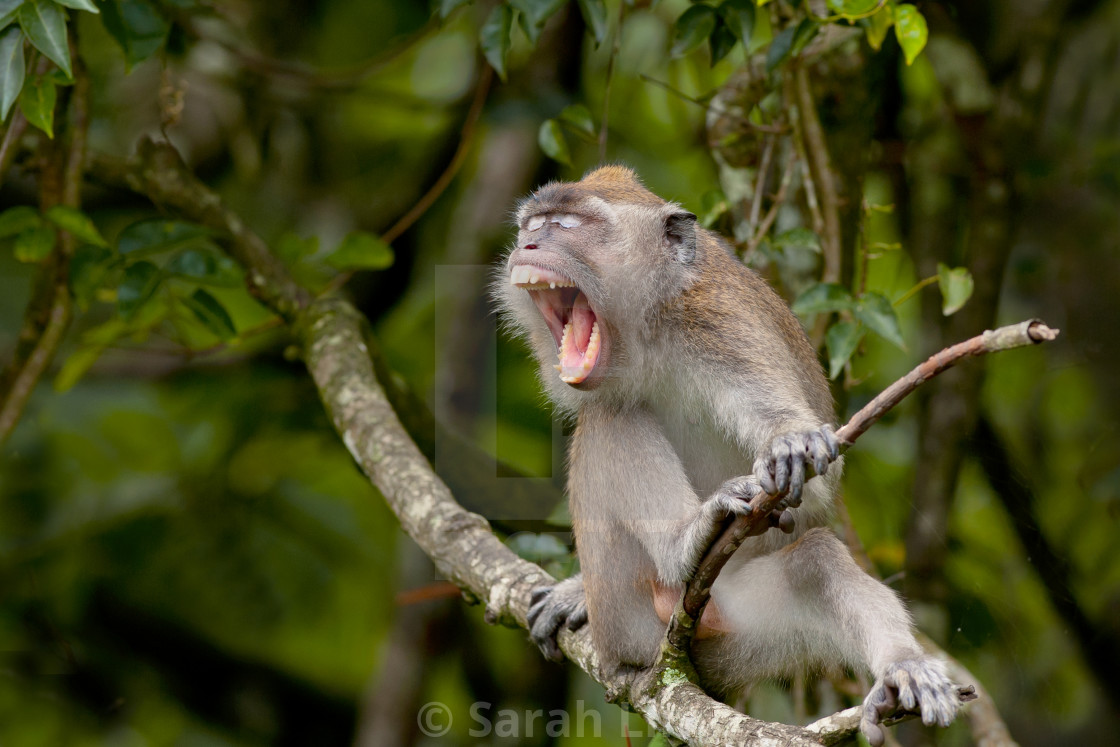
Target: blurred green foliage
188	554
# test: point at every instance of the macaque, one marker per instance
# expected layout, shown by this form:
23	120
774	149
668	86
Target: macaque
684	372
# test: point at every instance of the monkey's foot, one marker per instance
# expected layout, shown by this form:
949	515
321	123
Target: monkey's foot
553	607
784	465
917	685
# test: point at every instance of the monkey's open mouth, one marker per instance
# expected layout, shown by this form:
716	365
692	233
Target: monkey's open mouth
565	310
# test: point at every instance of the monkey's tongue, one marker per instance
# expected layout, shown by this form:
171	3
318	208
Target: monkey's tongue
579	347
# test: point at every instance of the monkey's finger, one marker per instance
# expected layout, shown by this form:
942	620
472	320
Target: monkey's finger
906	692
796	483
544	633
578	618
786	522
539	595
763	472
782	455
832	441
537	604
887	705
873	732
817	451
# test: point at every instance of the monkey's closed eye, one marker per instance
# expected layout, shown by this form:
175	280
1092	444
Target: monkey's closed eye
564	221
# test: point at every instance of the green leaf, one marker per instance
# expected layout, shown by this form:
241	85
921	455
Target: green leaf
876	312
798	237
137	25
494	38
34	244
804	34
12	69
823	297
739	17
291	248
841	340
8	11
447	7
44	24
578	116
18	219
89	268
94	342
722	41
910	28
361	251
156	235
534	14
206	266
780	48
877	26
77	224
691	30
552	142
211	313
76	366
956	286
595	16
852	8
37	104
79	5
141	279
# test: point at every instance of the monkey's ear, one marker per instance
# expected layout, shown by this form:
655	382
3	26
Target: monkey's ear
680	232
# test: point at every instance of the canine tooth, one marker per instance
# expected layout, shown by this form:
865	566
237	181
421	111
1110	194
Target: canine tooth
558	367
552	286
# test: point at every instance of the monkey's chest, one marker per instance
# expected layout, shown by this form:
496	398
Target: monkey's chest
708	456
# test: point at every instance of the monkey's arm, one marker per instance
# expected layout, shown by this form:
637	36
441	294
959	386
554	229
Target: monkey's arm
627	479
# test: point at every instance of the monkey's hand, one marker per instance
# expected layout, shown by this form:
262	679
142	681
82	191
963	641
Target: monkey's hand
735	497
553	607
784	465
918	685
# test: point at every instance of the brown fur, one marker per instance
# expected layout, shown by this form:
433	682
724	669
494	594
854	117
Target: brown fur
706	376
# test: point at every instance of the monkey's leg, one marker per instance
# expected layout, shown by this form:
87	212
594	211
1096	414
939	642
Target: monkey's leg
820	607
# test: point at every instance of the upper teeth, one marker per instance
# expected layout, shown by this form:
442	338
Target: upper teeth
528	276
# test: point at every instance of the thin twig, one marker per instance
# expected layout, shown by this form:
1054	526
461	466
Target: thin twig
48	313
466	140
616	44
821	165
343	78
708	105
8	144
760	183
775	206
683	624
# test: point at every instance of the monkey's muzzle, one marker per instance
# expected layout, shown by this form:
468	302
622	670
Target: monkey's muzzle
569	317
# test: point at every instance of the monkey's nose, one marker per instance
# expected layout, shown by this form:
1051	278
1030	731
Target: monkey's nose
530	246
